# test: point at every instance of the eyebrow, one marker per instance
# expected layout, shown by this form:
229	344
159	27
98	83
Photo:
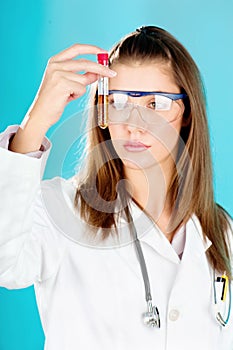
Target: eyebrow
134	93
173	96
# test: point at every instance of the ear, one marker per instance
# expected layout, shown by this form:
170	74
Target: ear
186	120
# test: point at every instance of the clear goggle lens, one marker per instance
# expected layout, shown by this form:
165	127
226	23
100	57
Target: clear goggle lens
155	102
157	109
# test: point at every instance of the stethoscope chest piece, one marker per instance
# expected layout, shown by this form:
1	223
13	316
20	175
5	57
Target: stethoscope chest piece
151	317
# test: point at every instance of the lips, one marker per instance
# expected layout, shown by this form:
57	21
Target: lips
135	146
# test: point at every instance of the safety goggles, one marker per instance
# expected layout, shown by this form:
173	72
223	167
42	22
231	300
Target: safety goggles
153	105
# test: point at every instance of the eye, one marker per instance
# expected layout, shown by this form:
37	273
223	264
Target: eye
162	103
110	100
152	105
118	101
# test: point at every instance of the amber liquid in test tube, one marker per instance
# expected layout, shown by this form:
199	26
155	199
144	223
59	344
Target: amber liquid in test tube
103	93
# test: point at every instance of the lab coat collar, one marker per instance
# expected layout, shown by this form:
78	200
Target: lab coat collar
57	198
149	233
196	245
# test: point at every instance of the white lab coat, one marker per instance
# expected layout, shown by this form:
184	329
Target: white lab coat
90	294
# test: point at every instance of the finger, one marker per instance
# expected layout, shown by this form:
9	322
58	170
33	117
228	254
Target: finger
89	78
75	50
83	65
72	88
84	79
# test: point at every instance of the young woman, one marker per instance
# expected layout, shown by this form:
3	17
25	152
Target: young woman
134	253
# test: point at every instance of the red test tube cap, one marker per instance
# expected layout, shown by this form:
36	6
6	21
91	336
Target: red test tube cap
102	58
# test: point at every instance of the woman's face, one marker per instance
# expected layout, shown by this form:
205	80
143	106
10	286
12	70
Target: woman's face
143	140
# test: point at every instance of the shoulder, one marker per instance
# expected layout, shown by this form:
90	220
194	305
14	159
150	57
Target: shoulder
57	193
55	197
228	223
228	232
58	186
57	202
224	219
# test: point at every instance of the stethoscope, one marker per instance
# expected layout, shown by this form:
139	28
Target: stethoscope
151	317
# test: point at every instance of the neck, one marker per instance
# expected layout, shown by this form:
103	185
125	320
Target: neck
149	189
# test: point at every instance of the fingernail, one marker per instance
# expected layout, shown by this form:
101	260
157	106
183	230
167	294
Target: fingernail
112	73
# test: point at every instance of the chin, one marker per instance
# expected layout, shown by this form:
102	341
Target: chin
131	165
142	163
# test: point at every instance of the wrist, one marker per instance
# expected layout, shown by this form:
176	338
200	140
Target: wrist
29	137
34	124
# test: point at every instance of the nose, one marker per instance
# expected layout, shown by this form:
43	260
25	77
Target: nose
135	121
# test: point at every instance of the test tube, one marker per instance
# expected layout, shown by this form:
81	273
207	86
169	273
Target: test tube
102	93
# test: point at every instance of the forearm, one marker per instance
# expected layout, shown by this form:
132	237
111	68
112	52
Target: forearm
29	137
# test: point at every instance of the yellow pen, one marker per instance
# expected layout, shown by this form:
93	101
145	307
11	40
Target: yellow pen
225	281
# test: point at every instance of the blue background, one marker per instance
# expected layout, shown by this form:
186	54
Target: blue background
32	31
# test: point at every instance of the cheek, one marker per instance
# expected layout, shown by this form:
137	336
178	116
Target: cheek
116	131
166	140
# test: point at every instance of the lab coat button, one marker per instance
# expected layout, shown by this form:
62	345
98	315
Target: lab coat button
174	315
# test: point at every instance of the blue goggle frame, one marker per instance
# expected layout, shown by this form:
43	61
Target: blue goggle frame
173	97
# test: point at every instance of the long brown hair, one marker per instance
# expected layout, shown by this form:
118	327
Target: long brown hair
192	183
